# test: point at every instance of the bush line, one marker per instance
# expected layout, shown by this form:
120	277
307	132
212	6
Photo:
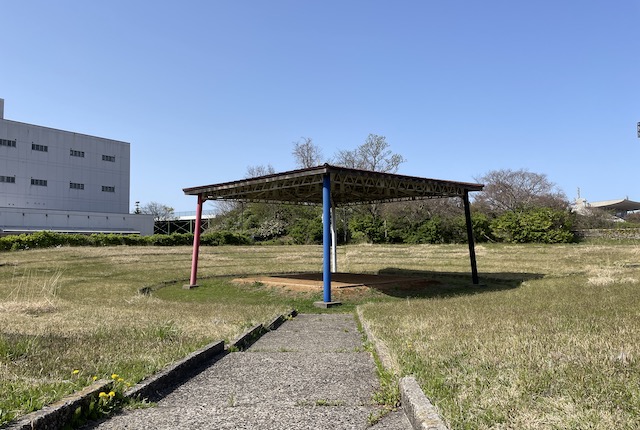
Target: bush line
48	239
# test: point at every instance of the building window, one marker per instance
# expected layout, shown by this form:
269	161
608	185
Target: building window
111	158
108	189
7	142
76	186
36	147
8	179
39	182
75	153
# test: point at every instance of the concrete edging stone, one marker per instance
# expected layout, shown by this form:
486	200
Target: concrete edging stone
60	413
417	407
152	387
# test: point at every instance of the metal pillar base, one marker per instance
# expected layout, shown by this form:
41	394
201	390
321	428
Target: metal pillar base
189	287
326	305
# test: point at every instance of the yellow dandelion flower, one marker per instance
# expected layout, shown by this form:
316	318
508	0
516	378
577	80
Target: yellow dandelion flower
120	380
95	378
114	376
75	371
112	394
103	394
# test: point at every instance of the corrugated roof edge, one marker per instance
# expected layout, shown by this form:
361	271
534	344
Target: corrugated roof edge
323	169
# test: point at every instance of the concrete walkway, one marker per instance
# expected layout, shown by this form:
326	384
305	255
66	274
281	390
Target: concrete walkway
311	373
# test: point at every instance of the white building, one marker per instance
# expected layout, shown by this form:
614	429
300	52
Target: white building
63	181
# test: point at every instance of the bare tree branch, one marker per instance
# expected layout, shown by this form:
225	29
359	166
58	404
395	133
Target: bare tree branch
306	153
159	211
374	154
260	170
512	190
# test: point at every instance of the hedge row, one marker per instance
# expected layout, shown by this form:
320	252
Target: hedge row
610	233
47	239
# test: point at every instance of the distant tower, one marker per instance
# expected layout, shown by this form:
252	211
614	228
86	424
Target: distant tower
580	204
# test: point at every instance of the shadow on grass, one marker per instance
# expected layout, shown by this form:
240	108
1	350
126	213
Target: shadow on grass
348	288
425	283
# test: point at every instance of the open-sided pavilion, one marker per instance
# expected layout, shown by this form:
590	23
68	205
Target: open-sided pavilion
332	186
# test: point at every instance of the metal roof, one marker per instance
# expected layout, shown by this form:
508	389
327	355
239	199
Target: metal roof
348	187
619	205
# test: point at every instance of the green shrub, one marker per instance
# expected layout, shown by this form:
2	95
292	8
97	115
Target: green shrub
366	228
76	240
306	231
538	225
134	240
48	239
102	239
6	243
481	227
224	237
430	231
177	239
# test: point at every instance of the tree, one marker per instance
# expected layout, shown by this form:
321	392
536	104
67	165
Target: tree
259	170
509	190
306	153
159	211
226	207
374	154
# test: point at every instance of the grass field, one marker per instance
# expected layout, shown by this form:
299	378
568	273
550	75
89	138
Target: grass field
555	347
551	342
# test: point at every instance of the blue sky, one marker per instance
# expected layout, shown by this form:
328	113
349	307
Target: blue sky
204	89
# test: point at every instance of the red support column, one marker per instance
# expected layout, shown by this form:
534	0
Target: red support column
196	244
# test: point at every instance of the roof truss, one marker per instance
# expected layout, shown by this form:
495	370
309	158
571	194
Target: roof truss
348	187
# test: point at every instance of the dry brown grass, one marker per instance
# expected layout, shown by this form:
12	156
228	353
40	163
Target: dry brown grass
80	308
552	343
560	350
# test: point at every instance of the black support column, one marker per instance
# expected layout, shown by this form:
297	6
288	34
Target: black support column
472	248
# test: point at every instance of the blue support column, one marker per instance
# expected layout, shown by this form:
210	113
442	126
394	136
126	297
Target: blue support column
326	236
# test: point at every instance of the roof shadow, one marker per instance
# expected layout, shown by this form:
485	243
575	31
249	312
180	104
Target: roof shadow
427	283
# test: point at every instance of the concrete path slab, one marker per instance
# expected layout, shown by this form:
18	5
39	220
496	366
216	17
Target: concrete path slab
311	373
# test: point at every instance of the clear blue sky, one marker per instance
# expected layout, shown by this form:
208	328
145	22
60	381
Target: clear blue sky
203	89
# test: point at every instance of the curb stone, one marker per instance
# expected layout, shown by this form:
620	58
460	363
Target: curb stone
278	321
249	337
381	349
156	385
418	409
59	414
